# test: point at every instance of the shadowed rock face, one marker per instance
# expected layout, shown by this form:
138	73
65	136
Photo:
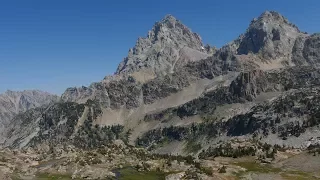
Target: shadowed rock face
306	50
271	35
249	84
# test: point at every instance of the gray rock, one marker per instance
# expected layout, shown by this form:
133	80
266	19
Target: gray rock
168	44
306	50
271	35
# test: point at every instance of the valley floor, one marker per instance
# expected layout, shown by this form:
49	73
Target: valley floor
130	163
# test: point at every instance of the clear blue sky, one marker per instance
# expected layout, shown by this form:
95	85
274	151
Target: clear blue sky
52	45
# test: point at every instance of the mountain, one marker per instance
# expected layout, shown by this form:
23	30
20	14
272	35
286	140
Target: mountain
271	42
15	102
271	35
169	44
171	95
268	43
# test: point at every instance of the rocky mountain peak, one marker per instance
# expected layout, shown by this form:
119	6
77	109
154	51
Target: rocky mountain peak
168	44
271	35
169	21
170	25
272	18
169	17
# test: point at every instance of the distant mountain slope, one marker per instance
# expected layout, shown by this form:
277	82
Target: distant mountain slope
14	102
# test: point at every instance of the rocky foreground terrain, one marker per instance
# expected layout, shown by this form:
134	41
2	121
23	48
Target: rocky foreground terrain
178	109
237	159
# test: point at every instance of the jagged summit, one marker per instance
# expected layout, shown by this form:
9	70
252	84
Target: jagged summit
169	17
168	20
168	44
272	17
169	24
270	35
